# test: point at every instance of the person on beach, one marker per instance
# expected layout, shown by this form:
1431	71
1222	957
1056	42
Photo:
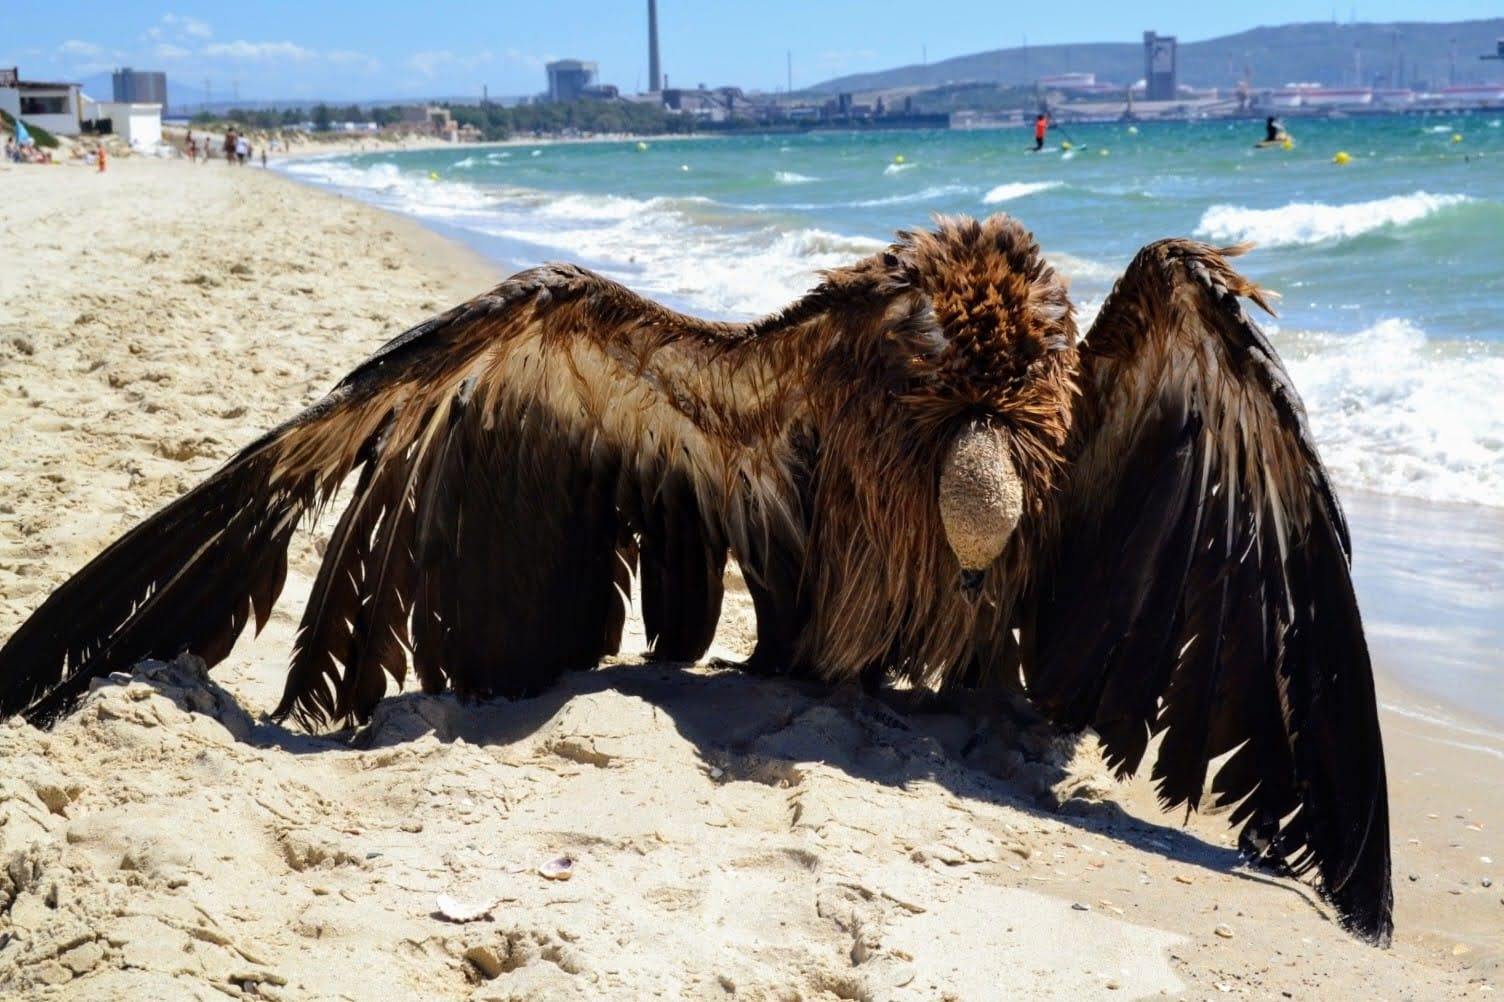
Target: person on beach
230	147
11	152
263	156
1041	126
242	151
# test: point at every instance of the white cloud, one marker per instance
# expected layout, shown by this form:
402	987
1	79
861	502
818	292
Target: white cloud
353	60
260	51
525	58
190	26
73	47
431	62
167	51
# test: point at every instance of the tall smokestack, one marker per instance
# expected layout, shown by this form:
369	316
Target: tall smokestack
655	76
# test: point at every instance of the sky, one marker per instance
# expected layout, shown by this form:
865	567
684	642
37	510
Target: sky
298	51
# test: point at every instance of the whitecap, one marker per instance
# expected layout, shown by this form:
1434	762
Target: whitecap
792	177
387	184
892	169
1317	222
1017	189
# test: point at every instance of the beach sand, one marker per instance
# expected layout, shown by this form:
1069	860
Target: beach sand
729	836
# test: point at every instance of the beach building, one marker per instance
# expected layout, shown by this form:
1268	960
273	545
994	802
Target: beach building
139	123
568	79
428	120
51	106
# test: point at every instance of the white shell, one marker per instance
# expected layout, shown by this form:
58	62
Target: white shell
465	911
557	869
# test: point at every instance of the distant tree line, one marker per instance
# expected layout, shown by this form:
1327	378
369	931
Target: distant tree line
322	116
493	120
629	117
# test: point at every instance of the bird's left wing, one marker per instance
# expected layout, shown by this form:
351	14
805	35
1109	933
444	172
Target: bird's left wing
1198	584
515	460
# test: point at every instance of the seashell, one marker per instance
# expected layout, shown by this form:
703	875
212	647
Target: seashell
456	910
557	869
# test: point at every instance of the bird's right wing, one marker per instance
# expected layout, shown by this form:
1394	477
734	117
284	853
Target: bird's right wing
516	459
1201	592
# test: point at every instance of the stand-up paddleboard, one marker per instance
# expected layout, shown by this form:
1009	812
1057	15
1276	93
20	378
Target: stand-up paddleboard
1284	142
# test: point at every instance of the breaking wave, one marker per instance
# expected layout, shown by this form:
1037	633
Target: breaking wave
1398	413
1315	222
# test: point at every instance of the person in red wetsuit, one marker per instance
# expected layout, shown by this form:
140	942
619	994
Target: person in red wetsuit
1041	124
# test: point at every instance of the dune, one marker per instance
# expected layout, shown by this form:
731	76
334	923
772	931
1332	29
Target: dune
642	830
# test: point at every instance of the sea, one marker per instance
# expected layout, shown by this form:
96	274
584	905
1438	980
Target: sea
1390	269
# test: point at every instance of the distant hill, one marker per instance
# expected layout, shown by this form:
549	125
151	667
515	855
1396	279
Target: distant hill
1402	54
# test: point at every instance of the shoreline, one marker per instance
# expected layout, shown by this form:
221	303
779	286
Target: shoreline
725	829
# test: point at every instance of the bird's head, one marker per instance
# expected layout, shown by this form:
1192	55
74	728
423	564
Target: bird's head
988	364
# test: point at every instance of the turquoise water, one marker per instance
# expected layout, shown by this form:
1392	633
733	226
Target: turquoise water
1391	270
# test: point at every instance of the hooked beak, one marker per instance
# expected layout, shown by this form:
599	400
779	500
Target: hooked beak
971	585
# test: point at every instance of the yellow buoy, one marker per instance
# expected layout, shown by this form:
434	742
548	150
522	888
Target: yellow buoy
1341	157
433	175
898	159
1132	130
1456	137
641	146
1101	153
684	166
1065	145
1288	144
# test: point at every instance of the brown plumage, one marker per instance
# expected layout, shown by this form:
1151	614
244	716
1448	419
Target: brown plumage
919	469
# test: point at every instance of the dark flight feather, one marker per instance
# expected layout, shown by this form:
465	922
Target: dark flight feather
1199	521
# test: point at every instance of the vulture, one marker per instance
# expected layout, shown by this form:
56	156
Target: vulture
922	471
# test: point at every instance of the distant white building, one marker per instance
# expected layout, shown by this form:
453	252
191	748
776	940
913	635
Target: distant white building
50	106
1482	95
138	123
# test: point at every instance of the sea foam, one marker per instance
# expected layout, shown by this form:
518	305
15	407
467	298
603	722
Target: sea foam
1316	222
1399	414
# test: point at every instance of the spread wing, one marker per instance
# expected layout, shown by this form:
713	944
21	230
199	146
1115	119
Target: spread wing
1200	589
515	461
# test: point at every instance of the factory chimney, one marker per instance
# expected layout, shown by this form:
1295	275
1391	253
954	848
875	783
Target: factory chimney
655	77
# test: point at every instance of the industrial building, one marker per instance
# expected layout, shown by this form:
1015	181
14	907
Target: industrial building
568	79
140	86
1160	72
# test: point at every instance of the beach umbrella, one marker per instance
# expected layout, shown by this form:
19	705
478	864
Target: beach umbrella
22	136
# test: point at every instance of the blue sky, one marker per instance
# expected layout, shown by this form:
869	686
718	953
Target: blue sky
383	48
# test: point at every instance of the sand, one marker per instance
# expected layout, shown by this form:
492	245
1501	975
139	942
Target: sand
728	837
